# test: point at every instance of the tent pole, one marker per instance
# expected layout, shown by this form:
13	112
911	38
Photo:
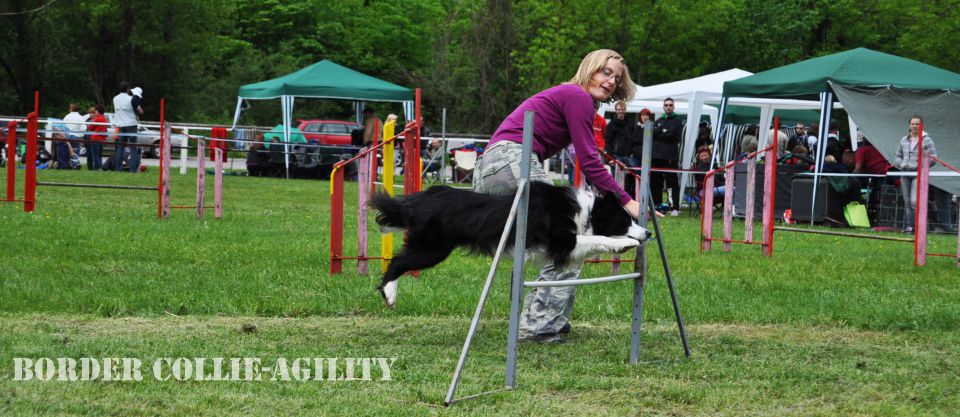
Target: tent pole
358	112
826	104
719	130
443	145
236	113
694	111
853	131
287	103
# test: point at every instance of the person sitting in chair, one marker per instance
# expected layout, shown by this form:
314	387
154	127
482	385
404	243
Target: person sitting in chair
703	164
258	159
431	155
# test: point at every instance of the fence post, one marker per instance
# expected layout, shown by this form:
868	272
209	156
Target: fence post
218	185
336	220
769	190
11	160
706	217
165	174
160	148
373	162
386	239
30	177
727	208
751	201
201	176
920	222
363	196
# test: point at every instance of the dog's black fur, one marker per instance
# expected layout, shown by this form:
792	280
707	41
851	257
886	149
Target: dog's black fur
443	218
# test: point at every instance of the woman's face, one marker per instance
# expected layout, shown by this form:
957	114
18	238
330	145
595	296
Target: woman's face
644	118
606	80
914	126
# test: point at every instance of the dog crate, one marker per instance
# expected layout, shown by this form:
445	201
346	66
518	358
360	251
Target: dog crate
892	209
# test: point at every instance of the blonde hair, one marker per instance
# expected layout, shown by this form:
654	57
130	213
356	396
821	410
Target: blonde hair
595	61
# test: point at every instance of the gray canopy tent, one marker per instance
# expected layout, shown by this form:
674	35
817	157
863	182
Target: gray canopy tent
324	80
879	92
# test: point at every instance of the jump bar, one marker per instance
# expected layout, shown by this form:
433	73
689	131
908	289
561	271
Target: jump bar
587	281
114	187
824	232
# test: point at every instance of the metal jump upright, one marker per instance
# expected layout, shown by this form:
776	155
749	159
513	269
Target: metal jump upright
518	213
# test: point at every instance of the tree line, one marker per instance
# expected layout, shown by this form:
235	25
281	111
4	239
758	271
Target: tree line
476	58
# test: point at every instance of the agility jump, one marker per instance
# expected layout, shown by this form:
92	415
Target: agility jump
518	217
367	173
163	178
706	226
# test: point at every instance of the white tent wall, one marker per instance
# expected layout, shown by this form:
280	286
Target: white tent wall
883	113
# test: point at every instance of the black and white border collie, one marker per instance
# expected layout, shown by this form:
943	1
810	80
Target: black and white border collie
564	226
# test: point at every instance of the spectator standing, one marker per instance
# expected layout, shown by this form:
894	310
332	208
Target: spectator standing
797	137
906	160
619	142
564	115
97	130
667	132
637	143
137	100
125	119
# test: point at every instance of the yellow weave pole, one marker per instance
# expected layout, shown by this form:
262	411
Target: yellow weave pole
386	239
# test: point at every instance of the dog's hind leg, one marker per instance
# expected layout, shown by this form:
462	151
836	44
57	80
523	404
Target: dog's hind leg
413	257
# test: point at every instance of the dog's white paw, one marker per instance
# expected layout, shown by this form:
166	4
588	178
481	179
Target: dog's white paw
389	293
623	244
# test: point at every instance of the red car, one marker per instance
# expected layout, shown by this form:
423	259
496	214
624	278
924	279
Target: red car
327	132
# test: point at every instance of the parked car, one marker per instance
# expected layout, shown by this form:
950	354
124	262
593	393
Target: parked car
327	132
147	136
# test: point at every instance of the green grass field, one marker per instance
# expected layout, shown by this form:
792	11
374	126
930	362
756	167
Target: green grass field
828	326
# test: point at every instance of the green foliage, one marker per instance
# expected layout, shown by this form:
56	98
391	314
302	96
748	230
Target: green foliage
476	58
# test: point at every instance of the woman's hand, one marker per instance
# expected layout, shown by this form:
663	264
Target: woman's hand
633	207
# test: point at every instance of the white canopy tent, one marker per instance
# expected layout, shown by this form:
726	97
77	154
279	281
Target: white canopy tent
690	96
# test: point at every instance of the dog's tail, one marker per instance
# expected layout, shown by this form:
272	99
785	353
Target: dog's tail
390	210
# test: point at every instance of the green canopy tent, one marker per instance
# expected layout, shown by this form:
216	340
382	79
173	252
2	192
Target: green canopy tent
324	80
862	68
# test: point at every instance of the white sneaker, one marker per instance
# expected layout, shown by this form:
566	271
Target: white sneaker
675	213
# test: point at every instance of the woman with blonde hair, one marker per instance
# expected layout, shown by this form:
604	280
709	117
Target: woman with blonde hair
563	116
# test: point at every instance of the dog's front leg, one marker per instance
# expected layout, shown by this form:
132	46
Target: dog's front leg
588	245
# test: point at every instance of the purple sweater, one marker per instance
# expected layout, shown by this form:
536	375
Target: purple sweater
564	115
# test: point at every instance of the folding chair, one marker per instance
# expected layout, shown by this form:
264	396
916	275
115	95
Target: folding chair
464	161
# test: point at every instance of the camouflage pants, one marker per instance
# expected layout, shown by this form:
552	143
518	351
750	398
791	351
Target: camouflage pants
546	309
